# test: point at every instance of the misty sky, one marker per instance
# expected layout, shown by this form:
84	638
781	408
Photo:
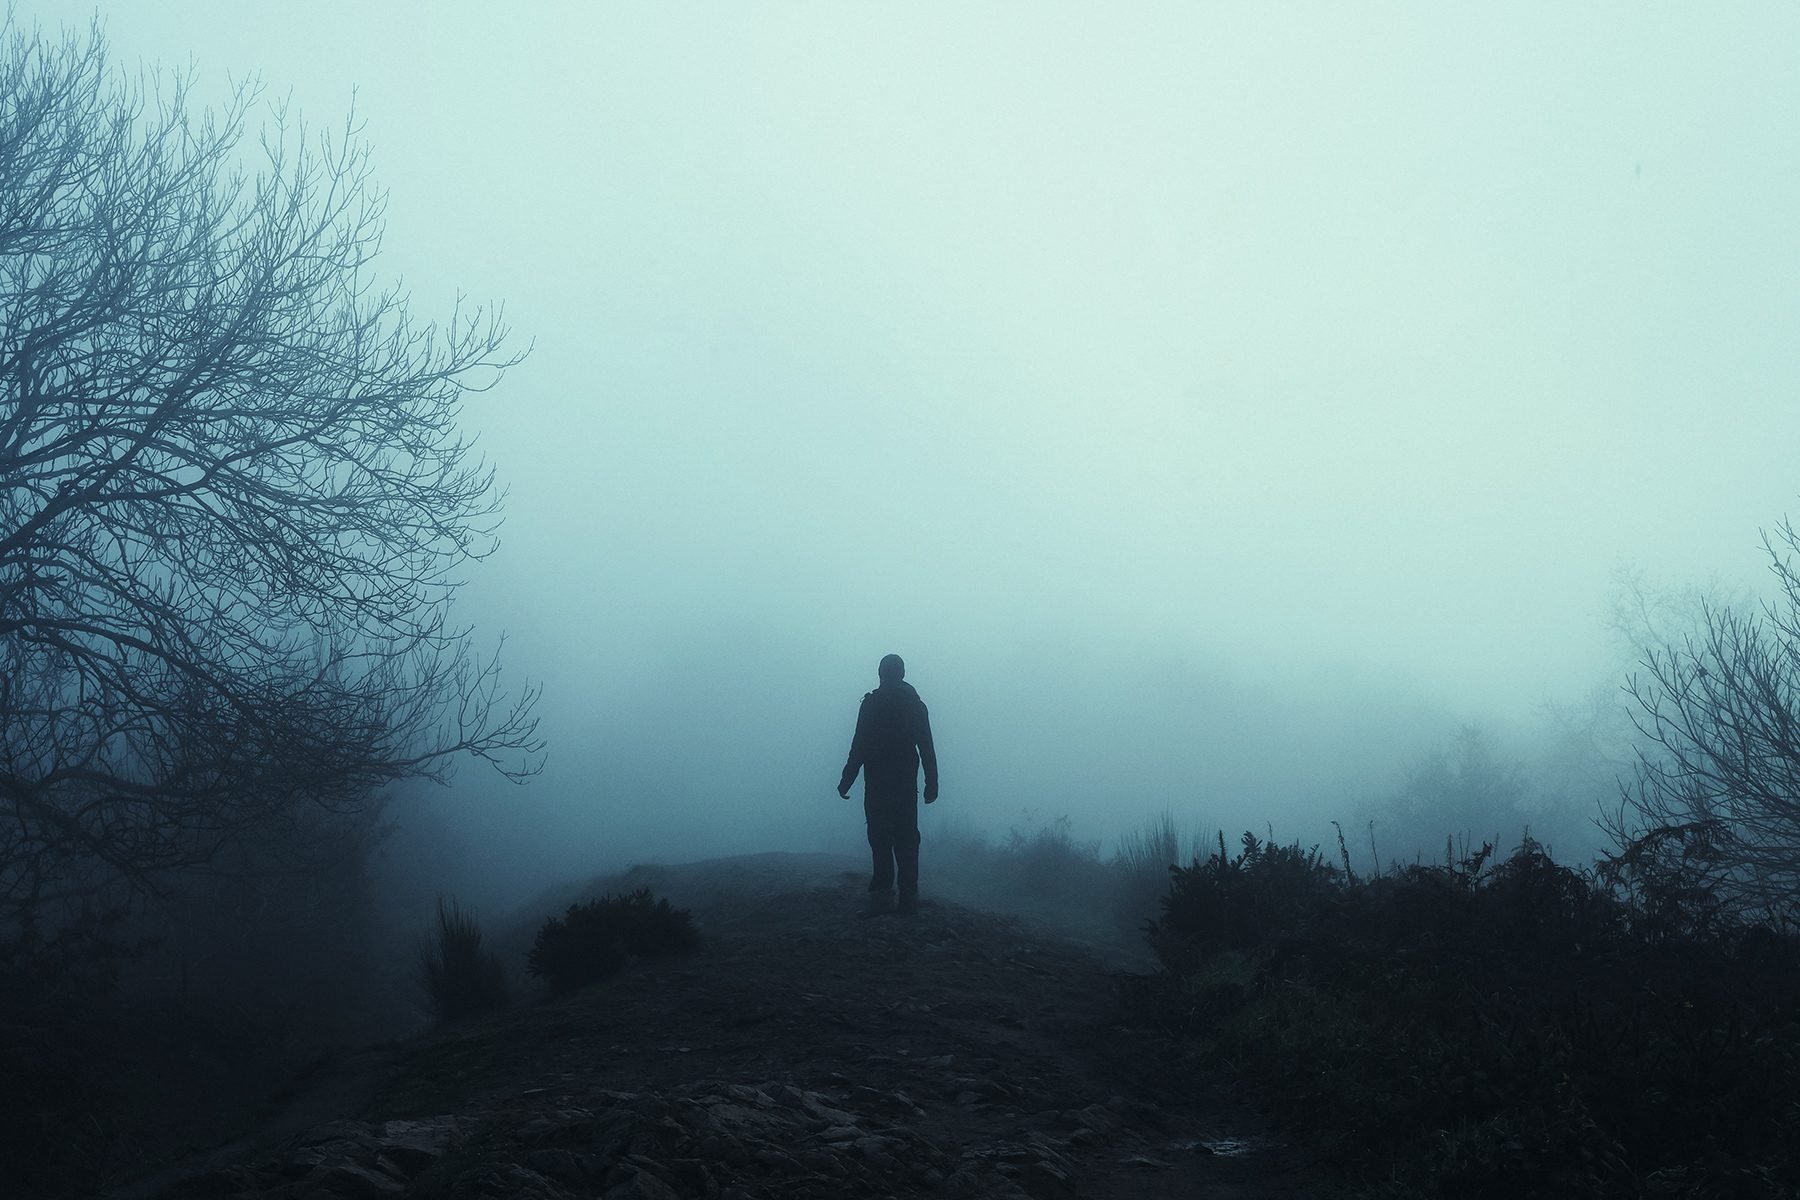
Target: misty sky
1200	397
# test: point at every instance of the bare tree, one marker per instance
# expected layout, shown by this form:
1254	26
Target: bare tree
234	500
1716	795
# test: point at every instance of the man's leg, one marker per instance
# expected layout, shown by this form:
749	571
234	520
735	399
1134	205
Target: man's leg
906	850
881	842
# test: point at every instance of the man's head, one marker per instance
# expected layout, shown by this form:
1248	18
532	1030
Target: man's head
891	670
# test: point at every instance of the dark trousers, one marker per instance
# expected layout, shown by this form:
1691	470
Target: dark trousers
893	839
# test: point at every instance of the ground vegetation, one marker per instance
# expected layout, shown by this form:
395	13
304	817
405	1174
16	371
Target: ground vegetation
1491	1025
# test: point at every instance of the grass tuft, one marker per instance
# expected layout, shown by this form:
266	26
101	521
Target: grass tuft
459	977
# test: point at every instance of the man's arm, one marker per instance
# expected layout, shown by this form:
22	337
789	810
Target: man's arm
858	750
927	754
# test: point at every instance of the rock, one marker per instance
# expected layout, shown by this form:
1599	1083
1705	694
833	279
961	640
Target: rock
642	1186
310	1158
817	1106
504	1181
1041	1177
1145	1115
1098	1117
562	1164
749	1095
409	1147
963	1183
357	1160
989	1087
406	1162
355	1182
1145	1163
771	1157
1047	1150
823	1163
337	1131
612	1135
695	1177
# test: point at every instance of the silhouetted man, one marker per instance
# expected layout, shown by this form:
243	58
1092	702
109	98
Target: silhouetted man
893	736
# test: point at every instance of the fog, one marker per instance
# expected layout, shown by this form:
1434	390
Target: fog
1217	406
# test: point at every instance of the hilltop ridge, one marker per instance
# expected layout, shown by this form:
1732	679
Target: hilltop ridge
802	1052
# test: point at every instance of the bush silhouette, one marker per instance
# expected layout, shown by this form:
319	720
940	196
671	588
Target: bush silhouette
1489	1027
1237	902
593	940
458	975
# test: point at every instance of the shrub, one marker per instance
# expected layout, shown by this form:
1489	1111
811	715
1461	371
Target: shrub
1489	1028
592	940
1235	902
1047	863
459	976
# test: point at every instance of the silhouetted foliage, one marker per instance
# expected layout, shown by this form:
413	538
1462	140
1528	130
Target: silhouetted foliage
461	978
1717	788
234	500
1493	1028
593	940
1229	903
1670	876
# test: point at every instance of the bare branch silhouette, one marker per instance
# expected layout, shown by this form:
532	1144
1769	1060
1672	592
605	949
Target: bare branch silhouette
234	498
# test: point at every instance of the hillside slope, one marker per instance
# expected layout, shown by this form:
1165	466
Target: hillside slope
801	1053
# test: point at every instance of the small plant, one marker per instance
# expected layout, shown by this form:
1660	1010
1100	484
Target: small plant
459	976
593	940
1142	865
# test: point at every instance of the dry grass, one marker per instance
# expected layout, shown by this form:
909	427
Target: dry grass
460	978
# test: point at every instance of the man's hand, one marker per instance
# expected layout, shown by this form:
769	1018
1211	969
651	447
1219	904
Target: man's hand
930	792
843	791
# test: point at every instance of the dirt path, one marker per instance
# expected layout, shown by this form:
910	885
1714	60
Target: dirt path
803	1052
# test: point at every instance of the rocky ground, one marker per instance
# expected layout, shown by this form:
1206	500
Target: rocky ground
802	1053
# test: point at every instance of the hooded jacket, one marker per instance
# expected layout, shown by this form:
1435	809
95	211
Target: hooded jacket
893	737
